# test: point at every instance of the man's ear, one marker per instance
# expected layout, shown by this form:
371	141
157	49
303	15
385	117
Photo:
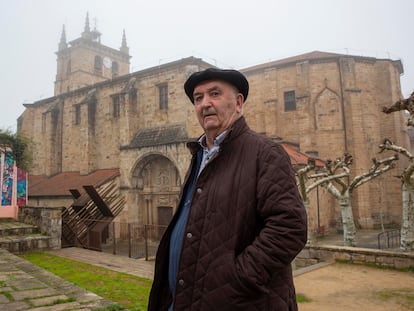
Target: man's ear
239	102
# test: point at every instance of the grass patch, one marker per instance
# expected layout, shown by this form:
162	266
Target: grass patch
302	298
402	297
128	291
8	296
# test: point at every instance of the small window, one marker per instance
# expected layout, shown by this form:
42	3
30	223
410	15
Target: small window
116	106
163	91
98	64
77	115
290	101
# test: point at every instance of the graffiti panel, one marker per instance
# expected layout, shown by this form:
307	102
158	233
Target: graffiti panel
7	178
21	187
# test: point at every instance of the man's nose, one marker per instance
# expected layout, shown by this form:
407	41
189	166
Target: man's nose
206	102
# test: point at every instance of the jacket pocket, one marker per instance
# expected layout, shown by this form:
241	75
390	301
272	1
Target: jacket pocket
224	290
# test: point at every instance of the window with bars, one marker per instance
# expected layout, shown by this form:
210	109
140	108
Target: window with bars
163	95
290	100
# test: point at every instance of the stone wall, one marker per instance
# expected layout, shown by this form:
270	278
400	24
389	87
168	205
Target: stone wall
383	258
47	219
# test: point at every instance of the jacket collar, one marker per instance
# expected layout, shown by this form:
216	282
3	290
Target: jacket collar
237	128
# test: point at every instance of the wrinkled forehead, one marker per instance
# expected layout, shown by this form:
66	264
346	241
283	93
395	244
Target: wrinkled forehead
208	85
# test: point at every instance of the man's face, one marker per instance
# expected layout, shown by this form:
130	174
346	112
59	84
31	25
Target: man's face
218	104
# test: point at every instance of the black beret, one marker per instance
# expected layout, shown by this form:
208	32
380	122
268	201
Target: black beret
231	76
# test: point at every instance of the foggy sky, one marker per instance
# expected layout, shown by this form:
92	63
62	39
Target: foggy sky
226	33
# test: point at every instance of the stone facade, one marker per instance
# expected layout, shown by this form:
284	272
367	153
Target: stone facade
339	100
139	122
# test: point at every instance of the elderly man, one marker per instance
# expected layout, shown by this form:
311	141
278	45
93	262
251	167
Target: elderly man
240	220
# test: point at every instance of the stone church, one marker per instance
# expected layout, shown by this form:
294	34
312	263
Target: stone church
105	123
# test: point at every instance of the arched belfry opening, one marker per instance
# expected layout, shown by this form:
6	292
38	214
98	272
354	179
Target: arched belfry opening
156	184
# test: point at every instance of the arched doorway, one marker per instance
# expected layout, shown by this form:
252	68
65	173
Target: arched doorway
156	182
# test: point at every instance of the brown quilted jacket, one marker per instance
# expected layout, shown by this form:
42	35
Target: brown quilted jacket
246	224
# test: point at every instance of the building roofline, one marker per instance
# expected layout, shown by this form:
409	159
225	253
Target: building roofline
315	57
141	73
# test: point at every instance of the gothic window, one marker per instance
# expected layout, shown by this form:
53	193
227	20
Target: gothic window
77	114
115	69
98	65
290	100
116	106
163	95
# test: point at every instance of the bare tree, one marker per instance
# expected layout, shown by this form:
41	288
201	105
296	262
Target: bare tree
403	104
335	177
407	226
304	189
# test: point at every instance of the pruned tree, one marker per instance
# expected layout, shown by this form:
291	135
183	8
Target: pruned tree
305	188
403	104
335	178
407	225
407	178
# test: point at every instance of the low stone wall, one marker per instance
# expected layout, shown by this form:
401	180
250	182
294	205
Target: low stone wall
47	219
384	258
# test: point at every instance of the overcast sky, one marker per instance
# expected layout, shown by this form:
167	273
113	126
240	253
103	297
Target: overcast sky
226	33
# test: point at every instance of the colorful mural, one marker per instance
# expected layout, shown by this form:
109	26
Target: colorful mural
21	187
13	192
7	169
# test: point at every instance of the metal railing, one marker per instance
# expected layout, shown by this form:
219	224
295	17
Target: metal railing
127	239
389	239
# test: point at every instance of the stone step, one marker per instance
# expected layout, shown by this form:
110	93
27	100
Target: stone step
19	244
16	228
18	238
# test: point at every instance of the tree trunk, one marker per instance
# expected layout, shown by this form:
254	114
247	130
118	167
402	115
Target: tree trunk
347	220
307	204
407	226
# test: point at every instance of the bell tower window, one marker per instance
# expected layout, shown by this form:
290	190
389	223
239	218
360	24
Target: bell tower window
98	65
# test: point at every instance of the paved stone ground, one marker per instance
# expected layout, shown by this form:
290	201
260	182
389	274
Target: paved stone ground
24	286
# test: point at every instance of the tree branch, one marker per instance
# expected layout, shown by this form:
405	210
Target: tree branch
375	170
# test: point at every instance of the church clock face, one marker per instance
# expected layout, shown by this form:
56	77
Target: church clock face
107	62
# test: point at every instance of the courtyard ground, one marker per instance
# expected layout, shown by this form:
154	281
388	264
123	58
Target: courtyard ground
342	286
336	286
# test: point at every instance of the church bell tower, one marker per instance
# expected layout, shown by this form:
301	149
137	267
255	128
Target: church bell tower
85	61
